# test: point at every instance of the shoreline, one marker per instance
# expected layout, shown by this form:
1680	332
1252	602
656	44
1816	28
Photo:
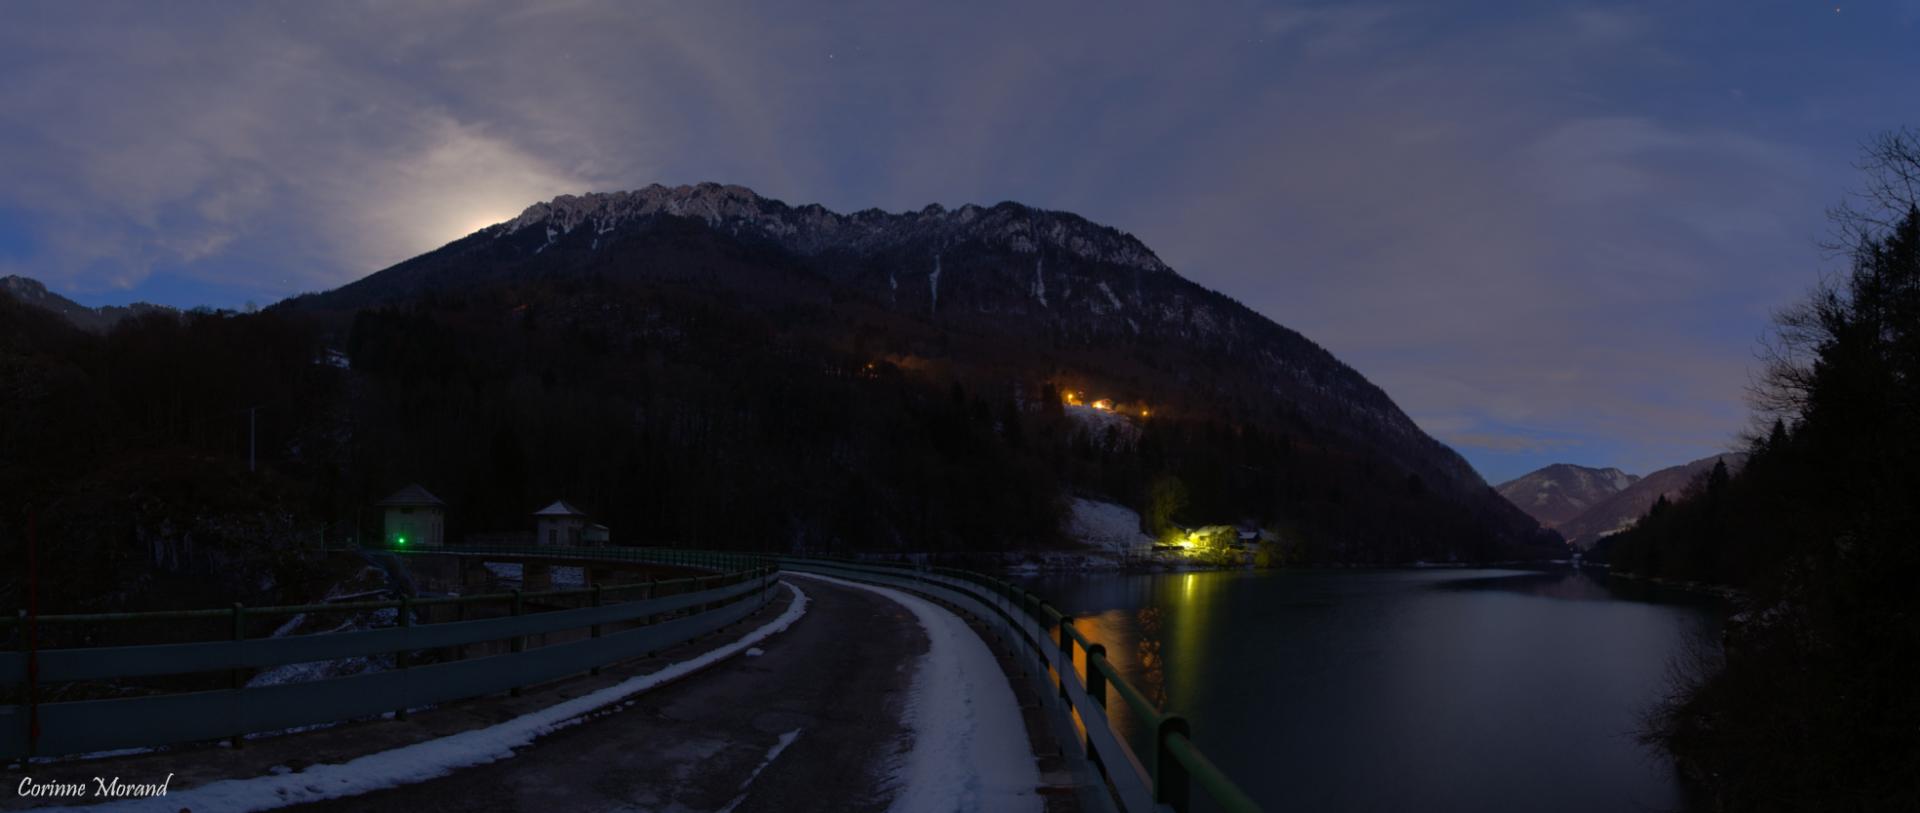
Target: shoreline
1065	561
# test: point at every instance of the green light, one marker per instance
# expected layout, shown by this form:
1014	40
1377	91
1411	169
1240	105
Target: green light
399	540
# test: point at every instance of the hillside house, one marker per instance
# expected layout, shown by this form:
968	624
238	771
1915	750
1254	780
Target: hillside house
566	526
414	517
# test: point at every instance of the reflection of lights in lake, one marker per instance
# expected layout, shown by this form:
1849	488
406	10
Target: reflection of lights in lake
1132	640
1153	671
1187	637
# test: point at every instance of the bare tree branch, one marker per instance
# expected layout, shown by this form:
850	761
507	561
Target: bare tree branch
1890	162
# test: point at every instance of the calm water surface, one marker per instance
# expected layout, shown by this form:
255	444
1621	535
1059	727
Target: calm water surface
1404	690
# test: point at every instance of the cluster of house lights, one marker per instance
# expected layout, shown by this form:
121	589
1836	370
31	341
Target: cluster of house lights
1102	404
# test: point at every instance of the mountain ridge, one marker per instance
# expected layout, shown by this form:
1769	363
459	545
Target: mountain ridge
1606	510
813	228
96	320
1102	283
609	297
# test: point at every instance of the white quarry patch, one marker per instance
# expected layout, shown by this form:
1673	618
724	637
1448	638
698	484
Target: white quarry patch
1107	526
933	283
439	757
1103	425
970	749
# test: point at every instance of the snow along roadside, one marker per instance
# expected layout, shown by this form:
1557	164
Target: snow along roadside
970	749
438	757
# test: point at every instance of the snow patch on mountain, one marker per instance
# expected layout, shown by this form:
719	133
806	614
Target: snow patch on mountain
1107	526
933	283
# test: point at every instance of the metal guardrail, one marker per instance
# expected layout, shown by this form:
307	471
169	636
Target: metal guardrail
1175	765
1162	781
672	557
691	607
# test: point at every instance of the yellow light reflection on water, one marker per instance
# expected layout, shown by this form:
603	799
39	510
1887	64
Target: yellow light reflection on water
1160	644
1186	635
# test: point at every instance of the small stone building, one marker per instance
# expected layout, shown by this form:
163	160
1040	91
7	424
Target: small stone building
561	524
414	517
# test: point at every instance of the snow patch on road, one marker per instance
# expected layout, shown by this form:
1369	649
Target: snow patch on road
970	749
435	758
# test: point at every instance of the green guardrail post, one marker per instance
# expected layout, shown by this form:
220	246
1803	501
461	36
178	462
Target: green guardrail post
403	658
596	627
1096	689
1170	785
236	677
1031	604
1066	651
519	643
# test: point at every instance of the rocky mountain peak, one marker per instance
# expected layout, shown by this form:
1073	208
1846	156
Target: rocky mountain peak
815	229
1562	491
25	289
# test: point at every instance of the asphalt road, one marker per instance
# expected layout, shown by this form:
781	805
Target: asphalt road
703	744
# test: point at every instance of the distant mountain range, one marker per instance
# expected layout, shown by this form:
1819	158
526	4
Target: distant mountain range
95	320
1562	491
1585	504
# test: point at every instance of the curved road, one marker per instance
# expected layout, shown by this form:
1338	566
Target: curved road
703	743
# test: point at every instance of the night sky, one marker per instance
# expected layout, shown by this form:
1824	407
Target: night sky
1551	231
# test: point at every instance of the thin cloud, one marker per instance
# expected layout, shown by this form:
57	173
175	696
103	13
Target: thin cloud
1508	443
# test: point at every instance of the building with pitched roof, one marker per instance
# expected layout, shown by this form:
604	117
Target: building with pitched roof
561	524
414	517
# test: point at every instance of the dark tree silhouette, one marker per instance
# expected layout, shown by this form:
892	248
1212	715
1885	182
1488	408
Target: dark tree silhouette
1813	707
